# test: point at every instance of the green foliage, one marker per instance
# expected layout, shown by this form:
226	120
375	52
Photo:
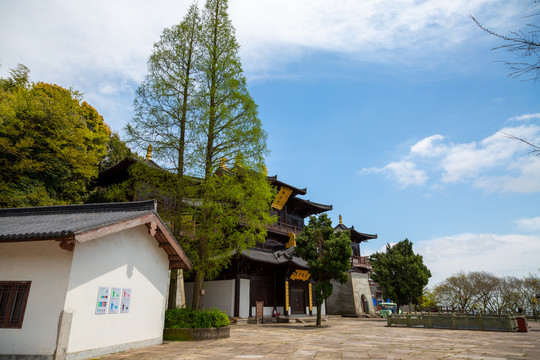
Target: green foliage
429	299
117	150
188	318
231	216
400	273
164	104
327	254
194	109
50	143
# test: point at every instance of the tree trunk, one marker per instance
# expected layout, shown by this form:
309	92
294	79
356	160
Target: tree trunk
171	304
319	309
197	287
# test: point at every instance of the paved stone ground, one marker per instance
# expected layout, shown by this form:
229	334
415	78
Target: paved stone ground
349	338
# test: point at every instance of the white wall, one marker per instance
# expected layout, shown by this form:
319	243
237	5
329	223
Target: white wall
360	284
128	259
244	298
218	294
48	267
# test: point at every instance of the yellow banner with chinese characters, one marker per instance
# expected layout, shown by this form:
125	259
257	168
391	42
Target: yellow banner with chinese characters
300	275
281	198
286	296
292	240
310	297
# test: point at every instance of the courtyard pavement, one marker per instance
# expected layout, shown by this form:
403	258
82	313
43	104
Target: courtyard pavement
348	338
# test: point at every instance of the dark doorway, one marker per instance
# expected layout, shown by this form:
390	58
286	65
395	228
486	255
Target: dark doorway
298	301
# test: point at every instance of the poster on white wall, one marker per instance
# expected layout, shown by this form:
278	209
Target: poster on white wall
115	300
126	301
102	300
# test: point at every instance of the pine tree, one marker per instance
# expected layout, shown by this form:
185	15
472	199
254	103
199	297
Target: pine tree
400	273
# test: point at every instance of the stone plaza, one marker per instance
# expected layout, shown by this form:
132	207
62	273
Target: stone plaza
349	338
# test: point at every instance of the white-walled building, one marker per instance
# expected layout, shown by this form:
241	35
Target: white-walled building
81	281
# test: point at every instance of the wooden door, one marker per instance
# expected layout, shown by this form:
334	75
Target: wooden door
298	301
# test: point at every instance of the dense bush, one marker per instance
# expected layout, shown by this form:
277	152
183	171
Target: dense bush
187	318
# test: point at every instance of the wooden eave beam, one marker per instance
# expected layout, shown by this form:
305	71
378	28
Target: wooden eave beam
88	235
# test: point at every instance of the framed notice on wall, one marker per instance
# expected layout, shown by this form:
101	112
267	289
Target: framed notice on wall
126	301
114	301
102	300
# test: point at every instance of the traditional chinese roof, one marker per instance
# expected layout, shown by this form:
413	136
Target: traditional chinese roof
72	224
356	236
305	208
278	257
273	180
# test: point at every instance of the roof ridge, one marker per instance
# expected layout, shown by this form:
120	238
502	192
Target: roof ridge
148	205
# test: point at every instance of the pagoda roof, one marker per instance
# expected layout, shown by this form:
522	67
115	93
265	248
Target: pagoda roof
273	180
305	208
356	236
119	171
277	257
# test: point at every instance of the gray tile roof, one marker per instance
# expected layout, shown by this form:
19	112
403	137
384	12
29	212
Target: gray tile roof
275	257
80	223
56	222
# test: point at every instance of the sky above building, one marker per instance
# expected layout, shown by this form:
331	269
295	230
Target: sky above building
394	112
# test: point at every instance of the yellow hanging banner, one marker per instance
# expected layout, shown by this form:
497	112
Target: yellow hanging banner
281	198
300	275
292	240
286	296
310	298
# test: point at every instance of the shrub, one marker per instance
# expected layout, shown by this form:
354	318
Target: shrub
187	318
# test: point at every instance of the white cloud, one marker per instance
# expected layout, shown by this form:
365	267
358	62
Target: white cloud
525	117
271	30
404	172
529	224
466	161
429	147
496	163
525	181
117	36
511	254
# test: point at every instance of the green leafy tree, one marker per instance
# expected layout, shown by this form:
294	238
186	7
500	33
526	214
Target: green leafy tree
164	111
400	273
117	150
195	110
229	127
327	254
429	299
50	143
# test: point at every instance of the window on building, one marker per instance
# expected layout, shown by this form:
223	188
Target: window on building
13	298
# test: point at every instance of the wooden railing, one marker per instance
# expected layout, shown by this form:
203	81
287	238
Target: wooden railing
360	262
282	228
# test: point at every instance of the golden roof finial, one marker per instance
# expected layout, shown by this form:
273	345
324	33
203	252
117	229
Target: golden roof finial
223	162
265	170
340	220
149	152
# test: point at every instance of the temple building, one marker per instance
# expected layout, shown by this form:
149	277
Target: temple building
353	298
270	273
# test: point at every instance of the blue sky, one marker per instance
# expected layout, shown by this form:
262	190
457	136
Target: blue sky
391	111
